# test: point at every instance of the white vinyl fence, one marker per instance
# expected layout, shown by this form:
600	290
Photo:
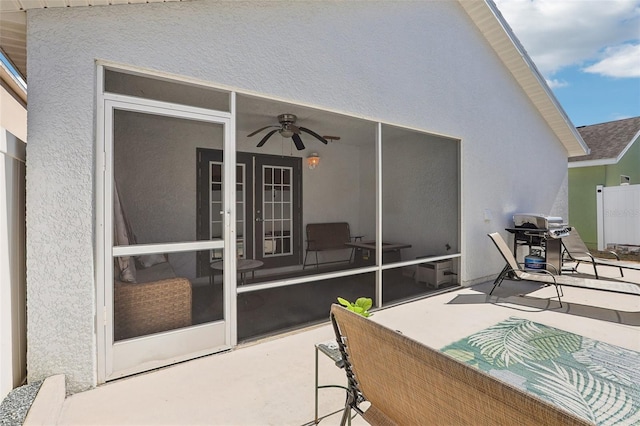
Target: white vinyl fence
618	215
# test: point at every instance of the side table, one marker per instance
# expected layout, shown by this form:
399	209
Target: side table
242	267
330	349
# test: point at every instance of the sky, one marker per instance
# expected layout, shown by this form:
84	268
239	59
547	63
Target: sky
588	51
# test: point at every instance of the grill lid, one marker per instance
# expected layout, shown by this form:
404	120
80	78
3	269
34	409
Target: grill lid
537	221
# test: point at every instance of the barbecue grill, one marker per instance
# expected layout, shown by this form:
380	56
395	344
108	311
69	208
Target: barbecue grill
542	234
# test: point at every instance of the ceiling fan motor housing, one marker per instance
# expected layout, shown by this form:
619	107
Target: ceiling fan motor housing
288	129
287	118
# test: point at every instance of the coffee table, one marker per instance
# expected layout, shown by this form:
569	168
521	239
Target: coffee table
242	267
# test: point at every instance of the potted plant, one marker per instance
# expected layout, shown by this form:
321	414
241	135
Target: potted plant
360	307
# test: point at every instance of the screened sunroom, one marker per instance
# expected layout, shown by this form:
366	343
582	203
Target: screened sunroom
229	217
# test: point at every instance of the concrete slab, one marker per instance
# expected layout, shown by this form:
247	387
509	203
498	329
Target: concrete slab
48	403
272	382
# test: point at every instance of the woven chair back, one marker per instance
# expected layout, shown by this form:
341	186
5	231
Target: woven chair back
503	248
408	383
574	245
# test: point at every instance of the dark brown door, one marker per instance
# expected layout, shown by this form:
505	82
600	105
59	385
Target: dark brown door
268	206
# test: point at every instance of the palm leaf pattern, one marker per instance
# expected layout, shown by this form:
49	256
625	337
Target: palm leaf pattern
611	362
516	341
600	401
594	380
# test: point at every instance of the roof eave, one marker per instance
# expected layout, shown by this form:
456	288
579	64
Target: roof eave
497	32
13	84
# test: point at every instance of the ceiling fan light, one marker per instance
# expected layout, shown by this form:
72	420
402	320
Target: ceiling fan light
313	160
286	133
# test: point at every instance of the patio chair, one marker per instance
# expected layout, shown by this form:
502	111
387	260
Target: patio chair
408	383
514	269
576	251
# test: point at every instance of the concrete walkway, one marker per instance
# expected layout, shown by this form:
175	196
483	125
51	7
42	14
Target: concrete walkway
272	382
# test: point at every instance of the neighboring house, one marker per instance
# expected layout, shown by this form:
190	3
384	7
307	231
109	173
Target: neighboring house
614	160
145	164
13	134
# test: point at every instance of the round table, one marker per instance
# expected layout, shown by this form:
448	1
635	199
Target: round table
242	267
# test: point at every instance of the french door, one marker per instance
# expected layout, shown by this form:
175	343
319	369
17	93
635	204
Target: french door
158	310
268	206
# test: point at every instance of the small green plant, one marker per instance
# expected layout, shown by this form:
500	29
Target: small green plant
361	307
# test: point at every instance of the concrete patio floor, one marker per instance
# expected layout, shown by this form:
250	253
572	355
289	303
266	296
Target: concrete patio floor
272	382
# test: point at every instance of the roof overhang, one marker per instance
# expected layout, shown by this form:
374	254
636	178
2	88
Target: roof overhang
492	25
13	84
485	14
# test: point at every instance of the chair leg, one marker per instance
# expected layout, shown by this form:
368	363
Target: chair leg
595	269
304	264
558	291
346	415
621	273
499	278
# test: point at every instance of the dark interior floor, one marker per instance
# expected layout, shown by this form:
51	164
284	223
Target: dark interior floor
276	310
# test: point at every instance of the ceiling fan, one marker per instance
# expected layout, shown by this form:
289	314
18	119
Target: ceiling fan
288	129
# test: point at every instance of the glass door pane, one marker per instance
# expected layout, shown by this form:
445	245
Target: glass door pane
278	211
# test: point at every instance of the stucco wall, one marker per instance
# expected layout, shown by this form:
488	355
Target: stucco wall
419	64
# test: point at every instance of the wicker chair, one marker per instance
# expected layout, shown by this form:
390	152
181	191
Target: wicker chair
151	305
408	383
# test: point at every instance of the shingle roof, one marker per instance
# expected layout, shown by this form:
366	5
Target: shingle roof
608	140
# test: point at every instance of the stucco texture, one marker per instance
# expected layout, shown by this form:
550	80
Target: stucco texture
417	64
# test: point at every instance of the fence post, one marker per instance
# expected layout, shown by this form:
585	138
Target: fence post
600	216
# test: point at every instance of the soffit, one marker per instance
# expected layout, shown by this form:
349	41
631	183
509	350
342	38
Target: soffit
497	32
13	23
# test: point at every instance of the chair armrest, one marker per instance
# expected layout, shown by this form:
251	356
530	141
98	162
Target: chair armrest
615	254
540	263
542	272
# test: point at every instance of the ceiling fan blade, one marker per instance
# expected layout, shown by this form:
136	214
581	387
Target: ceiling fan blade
294	129
298	141
267	136
314	134
259	130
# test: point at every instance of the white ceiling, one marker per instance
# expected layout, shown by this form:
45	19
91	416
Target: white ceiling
254	113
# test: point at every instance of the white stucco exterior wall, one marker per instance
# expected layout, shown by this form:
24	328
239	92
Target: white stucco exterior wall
420	64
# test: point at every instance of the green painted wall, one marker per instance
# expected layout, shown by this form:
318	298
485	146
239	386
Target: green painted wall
582	201
582	191
629	165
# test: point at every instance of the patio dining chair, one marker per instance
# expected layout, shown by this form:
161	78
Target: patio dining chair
575	250
395	380
514	270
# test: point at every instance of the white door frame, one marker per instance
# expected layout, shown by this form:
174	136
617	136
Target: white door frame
127	357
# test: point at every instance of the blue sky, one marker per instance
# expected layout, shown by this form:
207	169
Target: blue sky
587	50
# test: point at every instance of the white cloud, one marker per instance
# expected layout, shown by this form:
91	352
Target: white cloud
554	84
620	61
564	33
